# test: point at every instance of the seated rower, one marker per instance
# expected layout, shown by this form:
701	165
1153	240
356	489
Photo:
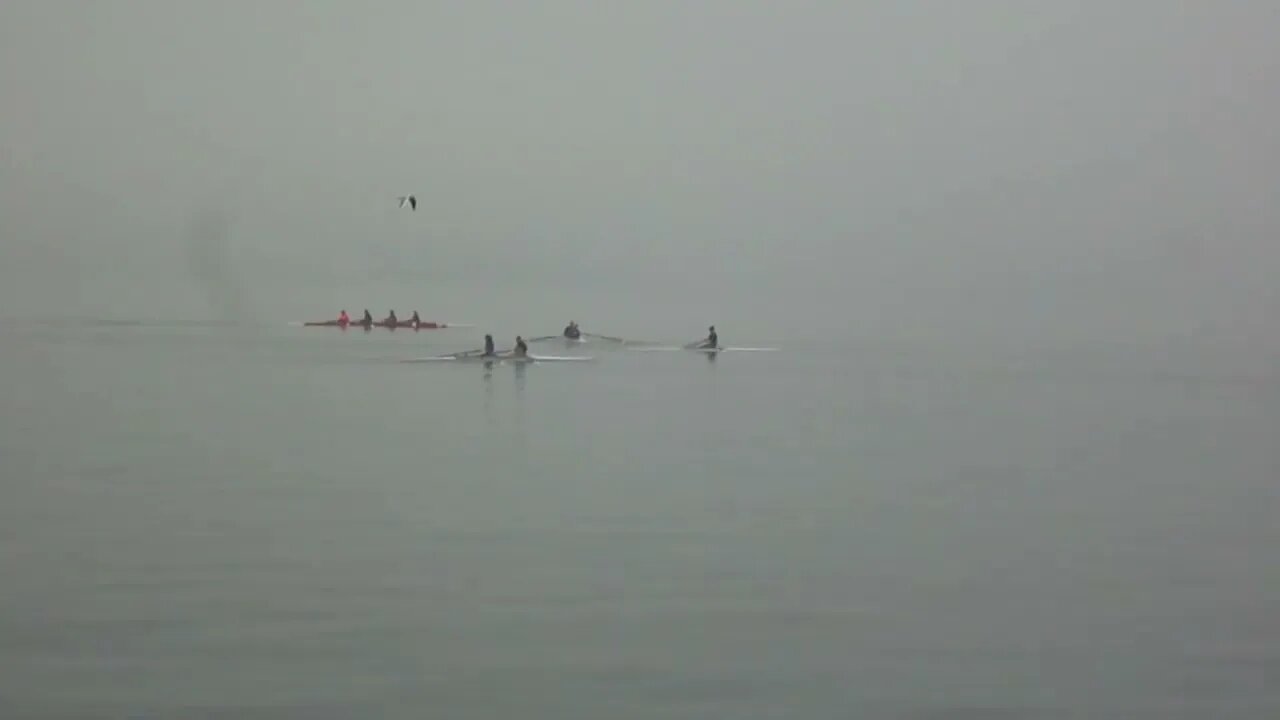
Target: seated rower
368	318
391	319
522	350
488	346
415	321
343	320
572	332
712	340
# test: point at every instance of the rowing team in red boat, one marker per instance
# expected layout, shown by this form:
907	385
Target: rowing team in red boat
391	321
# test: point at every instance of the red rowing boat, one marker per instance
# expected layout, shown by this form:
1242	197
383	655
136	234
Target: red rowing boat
407	325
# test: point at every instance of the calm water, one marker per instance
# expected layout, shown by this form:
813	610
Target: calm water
286	523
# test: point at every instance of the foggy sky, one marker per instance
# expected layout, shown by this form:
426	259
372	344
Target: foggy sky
1100	169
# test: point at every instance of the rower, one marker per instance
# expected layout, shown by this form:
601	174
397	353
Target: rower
343	320
712	341
391	319
522	350
572	332
488	346
415	320
368	318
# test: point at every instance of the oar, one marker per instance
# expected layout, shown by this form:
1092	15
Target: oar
542	338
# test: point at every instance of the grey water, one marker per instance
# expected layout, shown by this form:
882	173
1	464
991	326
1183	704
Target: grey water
264	522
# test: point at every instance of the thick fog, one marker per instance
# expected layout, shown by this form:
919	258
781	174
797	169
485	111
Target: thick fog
1039	172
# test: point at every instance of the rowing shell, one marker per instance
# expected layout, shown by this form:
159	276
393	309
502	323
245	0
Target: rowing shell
406	324
502	358
704	350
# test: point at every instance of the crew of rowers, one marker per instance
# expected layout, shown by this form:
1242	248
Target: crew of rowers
571	331
390	321
521	348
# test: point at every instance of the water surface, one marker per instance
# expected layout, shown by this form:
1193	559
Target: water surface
278	522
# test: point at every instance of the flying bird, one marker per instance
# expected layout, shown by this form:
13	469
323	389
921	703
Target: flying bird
409	200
